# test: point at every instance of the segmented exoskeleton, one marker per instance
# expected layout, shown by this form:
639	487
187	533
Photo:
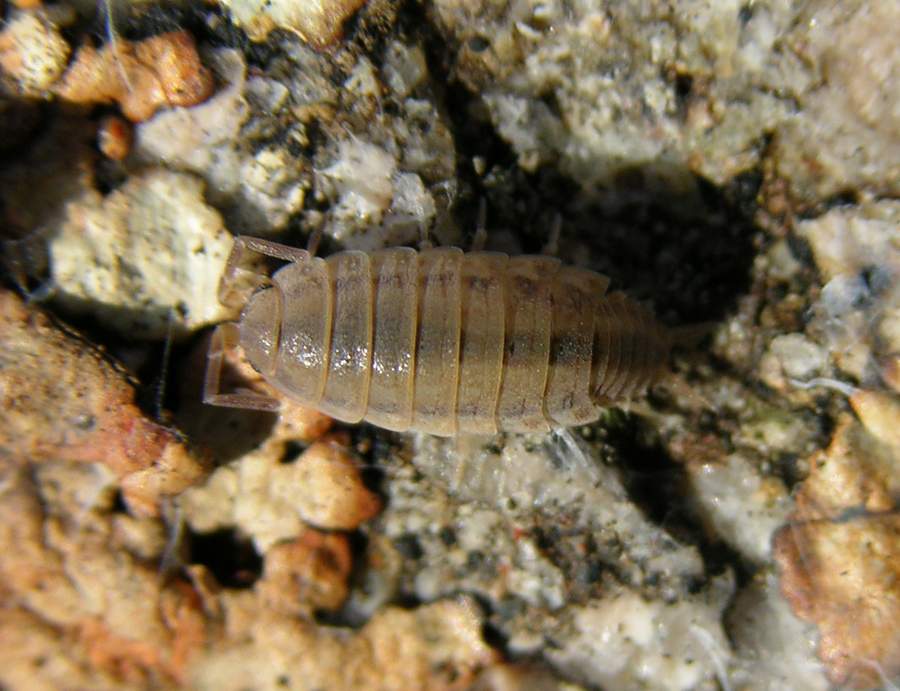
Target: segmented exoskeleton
443	341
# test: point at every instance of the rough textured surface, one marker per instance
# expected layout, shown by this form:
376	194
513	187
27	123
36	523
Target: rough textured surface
857	314
257	187
848	514
646	644
113	256
81	608
604	87
734	164
32	53
162	71
62	570
271	501
318	23
436	646
856	607
62	400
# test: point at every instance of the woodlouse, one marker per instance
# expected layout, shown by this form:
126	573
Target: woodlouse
439	340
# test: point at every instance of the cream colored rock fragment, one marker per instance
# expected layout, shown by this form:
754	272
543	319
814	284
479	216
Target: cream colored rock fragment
521	676
360	181
147	255
272	501
740	505
856	316
791	356
850	239
879	413
774	649
623	641
200	139
259	191
856	472
325	488
318	22
32	53
437	646
848	135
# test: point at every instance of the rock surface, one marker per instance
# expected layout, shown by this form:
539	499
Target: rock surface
733	164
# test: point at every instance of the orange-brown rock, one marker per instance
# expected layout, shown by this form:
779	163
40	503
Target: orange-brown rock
839	555
122	621
114	137
61	399
844	576
856	472
306	574
159	72
327	489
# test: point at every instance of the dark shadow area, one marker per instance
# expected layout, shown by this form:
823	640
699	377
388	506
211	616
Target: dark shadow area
230	557
661	488
364	585
692	259
228	433
373	450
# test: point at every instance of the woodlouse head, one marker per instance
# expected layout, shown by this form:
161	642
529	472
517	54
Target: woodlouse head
259	327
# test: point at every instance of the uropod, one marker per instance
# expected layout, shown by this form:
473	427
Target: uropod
439	340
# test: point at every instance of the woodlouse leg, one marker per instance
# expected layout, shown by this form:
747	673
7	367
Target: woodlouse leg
224	338
480	238
312	245
244	244
425	242
551	249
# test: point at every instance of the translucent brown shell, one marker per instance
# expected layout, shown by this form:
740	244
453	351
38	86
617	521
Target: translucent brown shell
447	342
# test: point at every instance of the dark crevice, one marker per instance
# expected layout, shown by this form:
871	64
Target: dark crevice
353	614
229	556
292	451
660	487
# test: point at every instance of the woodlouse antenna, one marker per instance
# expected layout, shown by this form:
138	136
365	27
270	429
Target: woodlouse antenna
315	239
231	293
172	558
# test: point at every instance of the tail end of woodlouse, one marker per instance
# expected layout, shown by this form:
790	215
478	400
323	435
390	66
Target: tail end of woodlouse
691	336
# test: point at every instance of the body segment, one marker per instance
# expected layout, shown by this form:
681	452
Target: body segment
449	343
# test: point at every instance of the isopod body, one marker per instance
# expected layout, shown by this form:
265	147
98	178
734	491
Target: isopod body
447	342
